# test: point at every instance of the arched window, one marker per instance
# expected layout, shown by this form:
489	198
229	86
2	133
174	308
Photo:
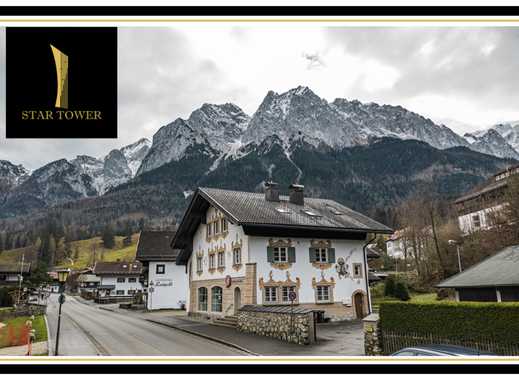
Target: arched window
202	299
216	299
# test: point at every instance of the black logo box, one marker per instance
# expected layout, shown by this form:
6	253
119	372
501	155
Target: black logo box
31	81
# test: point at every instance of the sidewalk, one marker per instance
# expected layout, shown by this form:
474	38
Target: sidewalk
333	339
344	338
39	348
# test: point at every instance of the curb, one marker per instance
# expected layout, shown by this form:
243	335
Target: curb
49	345
208	337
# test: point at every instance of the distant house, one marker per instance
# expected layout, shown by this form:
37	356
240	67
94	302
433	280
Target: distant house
119	280
481	207
10	273
396	245
87	284
267	249
165	281
495	279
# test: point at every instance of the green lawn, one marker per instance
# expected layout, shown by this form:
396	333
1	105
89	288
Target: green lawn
415	297
85	252
14	333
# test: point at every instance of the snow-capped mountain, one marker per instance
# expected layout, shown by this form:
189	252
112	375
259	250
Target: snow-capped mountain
57	182
11	175
63	181
491	142
225	131
135	153
216	137
510	132
117	167
213	128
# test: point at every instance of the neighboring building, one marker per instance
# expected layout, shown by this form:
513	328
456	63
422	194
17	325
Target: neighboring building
495	279
483	206
166	282
252	248
9	273
119	280
87	285
54	285
396	245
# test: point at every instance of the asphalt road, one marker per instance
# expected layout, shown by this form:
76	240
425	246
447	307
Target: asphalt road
88	330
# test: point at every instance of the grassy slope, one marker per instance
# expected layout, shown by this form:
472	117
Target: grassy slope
16	326
85	250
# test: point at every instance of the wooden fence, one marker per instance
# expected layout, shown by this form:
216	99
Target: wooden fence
392	342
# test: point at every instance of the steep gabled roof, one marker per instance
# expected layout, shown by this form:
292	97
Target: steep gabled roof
156	246
14	268
118	267
316	218
502	269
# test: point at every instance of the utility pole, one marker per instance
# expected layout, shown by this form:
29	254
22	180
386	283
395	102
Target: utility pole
20	279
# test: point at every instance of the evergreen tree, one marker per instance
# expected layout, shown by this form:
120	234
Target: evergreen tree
108	237
389	286
401	291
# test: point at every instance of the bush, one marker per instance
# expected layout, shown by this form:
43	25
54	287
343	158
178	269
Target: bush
493	321
377	290
5	298
389	286
401	291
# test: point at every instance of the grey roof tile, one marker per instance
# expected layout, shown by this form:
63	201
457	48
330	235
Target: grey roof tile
502	269
156	245
253	208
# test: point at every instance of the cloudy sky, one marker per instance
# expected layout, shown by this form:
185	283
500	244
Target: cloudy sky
468	76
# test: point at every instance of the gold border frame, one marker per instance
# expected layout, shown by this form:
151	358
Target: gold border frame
307	359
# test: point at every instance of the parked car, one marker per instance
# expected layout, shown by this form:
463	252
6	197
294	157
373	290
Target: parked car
440	350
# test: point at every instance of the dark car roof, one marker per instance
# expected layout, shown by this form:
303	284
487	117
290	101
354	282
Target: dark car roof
447	349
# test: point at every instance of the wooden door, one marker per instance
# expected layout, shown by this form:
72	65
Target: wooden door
359	305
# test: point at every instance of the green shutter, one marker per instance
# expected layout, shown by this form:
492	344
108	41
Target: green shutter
311	252
291	254
331	255
270	254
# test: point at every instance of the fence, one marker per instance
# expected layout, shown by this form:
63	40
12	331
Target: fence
488	327
393	342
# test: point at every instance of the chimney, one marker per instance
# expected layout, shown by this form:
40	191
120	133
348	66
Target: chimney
296	194
271	191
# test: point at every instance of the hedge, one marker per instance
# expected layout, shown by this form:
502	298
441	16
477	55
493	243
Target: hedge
458	320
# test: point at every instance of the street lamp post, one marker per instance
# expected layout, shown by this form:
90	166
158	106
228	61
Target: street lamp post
62	278
457	244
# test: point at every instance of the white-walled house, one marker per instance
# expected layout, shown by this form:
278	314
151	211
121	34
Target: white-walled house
165	281
253	248
10	274
484	206
119	280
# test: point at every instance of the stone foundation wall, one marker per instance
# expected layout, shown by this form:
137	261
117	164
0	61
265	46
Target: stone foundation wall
22	311
372	335
294	328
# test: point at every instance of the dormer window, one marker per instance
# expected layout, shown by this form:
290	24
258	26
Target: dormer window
311	213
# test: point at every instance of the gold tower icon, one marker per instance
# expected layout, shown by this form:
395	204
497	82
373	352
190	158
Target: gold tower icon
61	61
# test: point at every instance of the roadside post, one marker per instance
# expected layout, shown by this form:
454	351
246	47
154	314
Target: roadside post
292	297
62	278
151	289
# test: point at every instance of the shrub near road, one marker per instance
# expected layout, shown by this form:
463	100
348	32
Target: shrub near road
488	325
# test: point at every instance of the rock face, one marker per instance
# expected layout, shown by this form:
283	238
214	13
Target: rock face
493	143
214	128
11	175
64	181
301	114
57	182
333	148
